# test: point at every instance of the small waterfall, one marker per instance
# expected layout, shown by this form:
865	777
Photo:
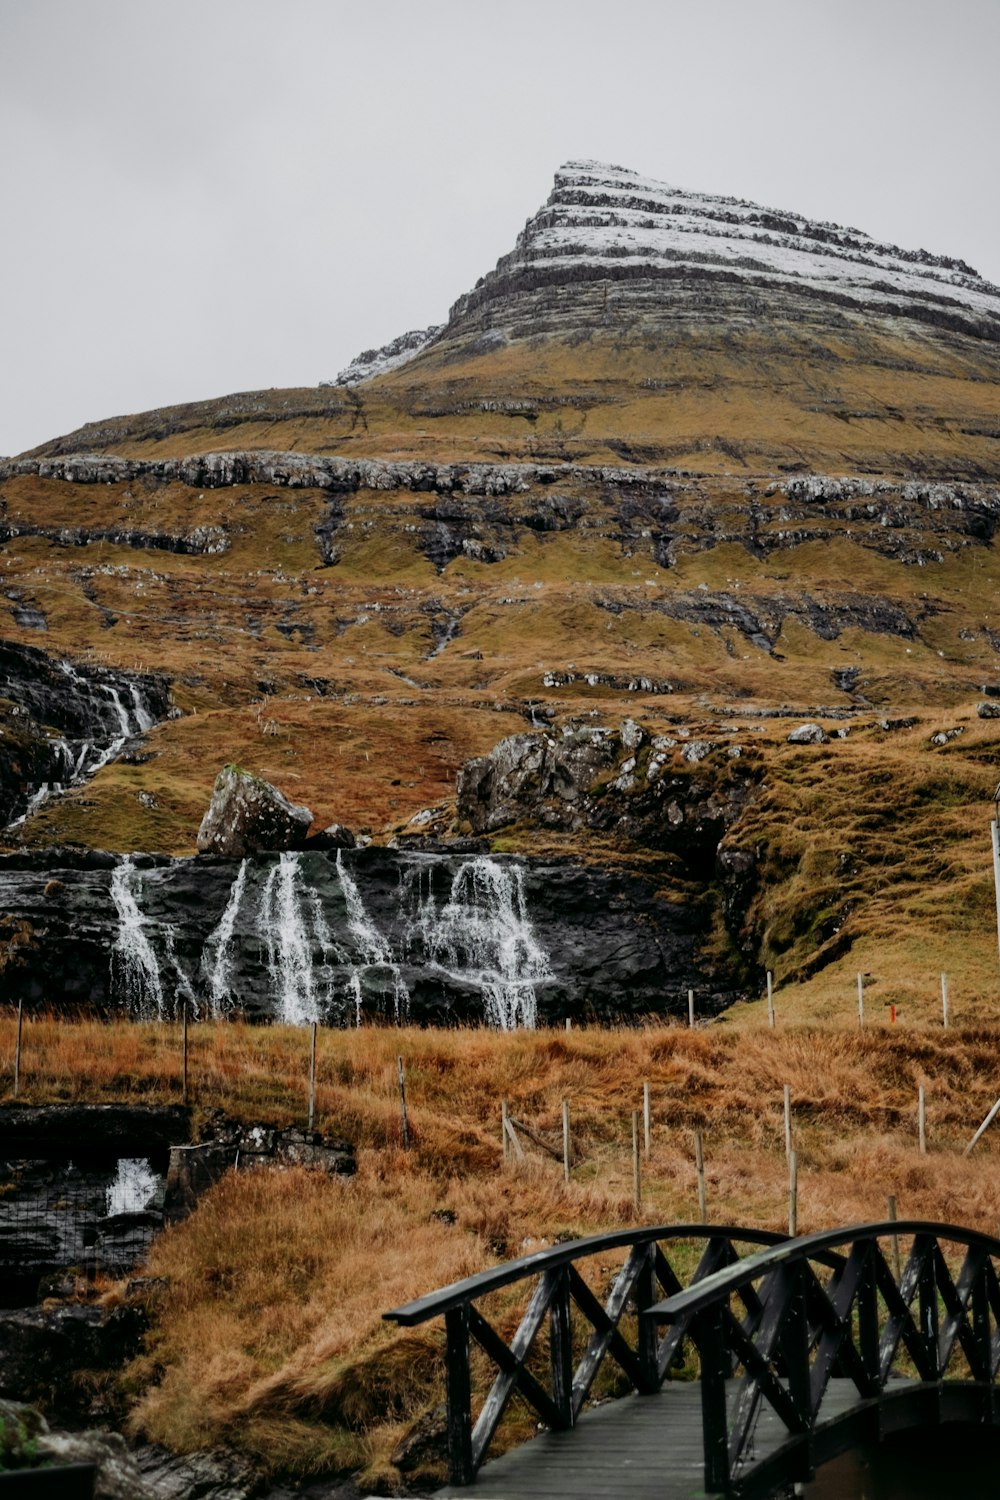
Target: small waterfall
374	951
143	718
124	722
292	925
217	961
135	973
482	934
133	1187
184	988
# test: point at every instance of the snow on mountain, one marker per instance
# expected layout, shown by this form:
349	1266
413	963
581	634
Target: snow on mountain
600	215
377	361
606	222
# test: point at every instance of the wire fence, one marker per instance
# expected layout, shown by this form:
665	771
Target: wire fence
56	1217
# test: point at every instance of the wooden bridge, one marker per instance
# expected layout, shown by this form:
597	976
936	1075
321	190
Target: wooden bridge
754	1358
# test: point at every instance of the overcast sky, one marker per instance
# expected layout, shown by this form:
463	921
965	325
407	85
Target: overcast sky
207	196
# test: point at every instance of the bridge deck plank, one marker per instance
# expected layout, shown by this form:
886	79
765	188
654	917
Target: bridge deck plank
641	1447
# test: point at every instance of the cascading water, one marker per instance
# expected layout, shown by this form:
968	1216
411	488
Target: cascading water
466	926
135	973
288	925
374	951
134	1187
482	935
218	960
110	714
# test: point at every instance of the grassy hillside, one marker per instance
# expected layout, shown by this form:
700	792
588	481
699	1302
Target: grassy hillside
268	1331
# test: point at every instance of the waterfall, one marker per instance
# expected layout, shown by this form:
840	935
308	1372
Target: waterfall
482	935
124	722
292	925
143	718
322	956
184	987
217	961
134	1185
135	973
374	951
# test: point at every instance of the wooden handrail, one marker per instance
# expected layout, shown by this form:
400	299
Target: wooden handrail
559	1288
803	1330
435	1304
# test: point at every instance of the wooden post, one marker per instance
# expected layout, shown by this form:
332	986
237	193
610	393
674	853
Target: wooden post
17	1048
402	1103
922	1121
312	1079
793	1194
897	1269
184	1052
995	837
986	1123
565	1115
569	1023
788	1122
699	1167
646	1118
770	998
690	1007
458	1384
944	1000
504	1130
636	1181
861	1000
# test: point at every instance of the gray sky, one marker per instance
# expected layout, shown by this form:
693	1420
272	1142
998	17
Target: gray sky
207	196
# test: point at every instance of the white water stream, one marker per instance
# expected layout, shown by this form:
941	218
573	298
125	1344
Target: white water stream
480	937
135	972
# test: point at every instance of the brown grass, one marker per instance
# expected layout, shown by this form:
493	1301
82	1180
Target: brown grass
270	1334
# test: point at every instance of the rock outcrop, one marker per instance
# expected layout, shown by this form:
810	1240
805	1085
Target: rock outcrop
678	795
248	815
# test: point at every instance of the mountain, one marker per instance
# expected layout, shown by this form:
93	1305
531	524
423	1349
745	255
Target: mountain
680	476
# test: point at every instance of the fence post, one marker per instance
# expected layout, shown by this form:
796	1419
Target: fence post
793	1194
565	1123
788	1121
17	1048
636	1180
861	1000
504	1130
922	1121
312	1079
896	1265
690	1007
646	1120
402	1103
699	1167
184	1051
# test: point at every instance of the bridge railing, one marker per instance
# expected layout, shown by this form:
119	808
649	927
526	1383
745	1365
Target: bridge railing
644	1355
802	1324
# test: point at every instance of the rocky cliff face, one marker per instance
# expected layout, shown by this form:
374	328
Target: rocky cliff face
371	933
607	224
62	723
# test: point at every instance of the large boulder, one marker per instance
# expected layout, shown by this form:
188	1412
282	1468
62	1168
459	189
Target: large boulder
250	816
